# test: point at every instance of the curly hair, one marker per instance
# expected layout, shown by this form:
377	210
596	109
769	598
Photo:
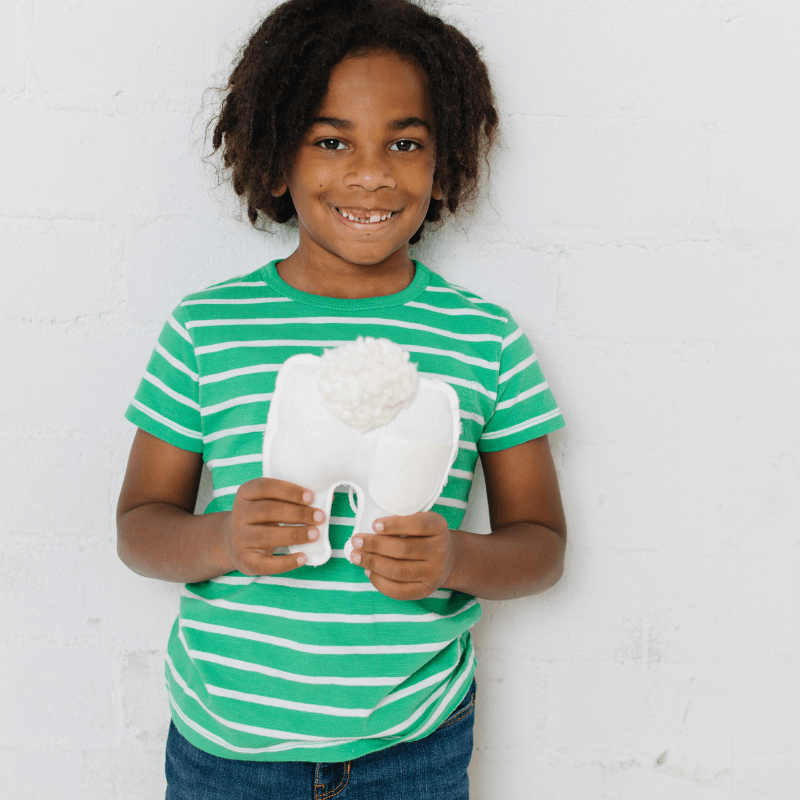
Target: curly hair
281	79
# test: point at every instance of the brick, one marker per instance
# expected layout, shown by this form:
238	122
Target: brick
647	399
668	61
93	373
660	294
89	164
65	773
12	60
60	486
145	704
167	259
621	176
47	259
52	689
90	52
754	301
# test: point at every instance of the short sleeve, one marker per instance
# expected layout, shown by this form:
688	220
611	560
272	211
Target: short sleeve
525	408
166	403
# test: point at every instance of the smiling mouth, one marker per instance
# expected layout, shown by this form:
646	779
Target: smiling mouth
364	217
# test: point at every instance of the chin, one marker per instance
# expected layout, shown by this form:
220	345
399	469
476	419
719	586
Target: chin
368	256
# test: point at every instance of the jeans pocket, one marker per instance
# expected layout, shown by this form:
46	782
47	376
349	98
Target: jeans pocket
463	709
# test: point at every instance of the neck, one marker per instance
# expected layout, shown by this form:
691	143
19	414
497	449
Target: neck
319	272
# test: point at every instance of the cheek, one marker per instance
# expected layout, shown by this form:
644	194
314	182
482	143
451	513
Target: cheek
321	177
423	186
424	176
318	179
307	180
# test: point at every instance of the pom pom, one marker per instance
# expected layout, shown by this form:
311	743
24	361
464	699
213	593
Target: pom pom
365	384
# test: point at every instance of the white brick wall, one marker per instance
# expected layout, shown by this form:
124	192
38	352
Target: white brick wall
644	226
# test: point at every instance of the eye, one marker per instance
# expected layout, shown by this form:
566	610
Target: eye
404	146
331	144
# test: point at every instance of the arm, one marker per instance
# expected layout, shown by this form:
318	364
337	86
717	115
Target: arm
523	555
160	536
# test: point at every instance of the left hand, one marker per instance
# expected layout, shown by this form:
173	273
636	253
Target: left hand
407	558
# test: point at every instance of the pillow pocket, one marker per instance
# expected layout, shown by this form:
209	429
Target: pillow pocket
407	476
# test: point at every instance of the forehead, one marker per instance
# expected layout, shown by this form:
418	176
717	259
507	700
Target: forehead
382	83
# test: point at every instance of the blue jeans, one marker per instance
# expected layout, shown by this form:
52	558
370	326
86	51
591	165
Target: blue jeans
433	768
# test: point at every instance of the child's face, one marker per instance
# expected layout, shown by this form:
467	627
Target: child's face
369	155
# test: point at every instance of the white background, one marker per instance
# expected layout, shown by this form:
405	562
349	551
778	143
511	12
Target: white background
642	224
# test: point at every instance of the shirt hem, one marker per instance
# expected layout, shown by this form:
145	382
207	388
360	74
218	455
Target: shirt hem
163	432
417	286
345	752
527	435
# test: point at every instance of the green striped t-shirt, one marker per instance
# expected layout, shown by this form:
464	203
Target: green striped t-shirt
316	664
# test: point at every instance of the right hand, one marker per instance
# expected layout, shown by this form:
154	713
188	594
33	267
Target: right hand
252	529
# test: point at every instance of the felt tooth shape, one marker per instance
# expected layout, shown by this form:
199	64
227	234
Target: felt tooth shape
361	417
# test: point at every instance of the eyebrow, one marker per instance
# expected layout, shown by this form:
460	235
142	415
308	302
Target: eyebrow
394	125
334	122
409	122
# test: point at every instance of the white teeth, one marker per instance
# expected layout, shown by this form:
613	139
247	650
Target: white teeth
366	220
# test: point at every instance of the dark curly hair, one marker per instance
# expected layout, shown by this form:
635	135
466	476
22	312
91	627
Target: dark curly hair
282	75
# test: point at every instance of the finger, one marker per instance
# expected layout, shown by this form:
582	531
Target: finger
267	537
427	523
412	547
265	511
400	570
272	488
255	563
399	591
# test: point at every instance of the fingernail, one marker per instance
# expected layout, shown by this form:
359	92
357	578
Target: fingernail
319	516
356	558
308	497
367	572
357	542
378	526
313	534
301	560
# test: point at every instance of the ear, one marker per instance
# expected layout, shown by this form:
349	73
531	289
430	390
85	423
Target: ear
436	190
280	189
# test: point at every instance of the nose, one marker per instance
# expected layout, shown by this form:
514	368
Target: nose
370	170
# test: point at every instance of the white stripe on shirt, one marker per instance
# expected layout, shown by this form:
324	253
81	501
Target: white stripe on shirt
522	396
159	384
184	431
518	368
215	377
456	312
377	321
179	365
523	425
325	618
242	429
512	337
179	329
242	400
333	650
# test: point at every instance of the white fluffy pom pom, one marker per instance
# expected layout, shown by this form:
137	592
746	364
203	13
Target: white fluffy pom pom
365	384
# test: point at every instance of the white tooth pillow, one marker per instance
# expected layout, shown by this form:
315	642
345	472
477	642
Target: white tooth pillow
361	417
